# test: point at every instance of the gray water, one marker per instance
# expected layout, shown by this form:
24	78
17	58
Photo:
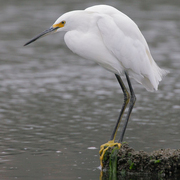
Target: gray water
56	108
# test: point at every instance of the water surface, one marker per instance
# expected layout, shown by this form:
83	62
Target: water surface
56	108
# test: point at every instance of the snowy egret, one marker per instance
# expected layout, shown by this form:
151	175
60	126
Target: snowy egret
110	38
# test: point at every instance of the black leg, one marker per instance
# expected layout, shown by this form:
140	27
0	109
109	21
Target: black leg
126	101
131	105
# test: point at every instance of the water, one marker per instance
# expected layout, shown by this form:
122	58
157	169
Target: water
56	108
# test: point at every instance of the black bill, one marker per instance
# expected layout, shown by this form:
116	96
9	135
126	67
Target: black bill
46	32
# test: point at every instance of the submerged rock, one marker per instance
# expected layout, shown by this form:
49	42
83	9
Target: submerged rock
163	162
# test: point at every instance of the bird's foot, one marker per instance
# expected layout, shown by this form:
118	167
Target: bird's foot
105	147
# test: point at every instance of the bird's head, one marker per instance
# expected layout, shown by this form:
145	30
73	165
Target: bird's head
59	25
66	22
54	28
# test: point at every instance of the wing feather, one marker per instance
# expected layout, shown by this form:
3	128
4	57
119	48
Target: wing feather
124	40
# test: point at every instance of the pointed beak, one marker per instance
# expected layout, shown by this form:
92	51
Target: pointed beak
44	33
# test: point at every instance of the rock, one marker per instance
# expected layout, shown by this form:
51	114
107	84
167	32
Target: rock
163	162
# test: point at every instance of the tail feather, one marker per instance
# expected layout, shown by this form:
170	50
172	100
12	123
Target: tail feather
158	74
151	81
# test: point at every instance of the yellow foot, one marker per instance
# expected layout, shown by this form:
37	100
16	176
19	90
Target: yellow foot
105	147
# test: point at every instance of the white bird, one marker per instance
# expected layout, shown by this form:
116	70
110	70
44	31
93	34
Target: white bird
110	38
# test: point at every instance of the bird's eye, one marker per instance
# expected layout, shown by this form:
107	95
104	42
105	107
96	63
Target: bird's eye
63	22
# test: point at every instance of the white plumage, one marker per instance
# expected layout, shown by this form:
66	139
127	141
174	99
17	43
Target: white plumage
110	38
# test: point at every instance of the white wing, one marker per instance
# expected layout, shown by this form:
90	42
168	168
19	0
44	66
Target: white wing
124	40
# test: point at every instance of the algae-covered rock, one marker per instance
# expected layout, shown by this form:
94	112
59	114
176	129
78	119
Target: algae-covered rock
162	162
